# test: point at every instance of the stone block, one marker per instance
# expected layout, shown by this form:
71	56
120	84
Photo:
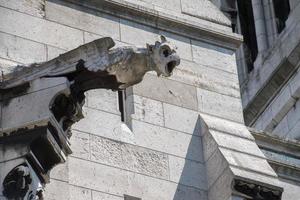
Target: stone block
7	66
89	37
226	126
220	105
183	44
168	4
294	132
84	19
146	110
181	119
187	172
53	52
102	99
236	143
169	141
167	91
204	9
78	193
141	3
207	78
60	172
32	7
39	30
293	115
215	166
254	176
119	182
282	128
80	144
57	190
21	50
129	157
282	104
99	123
40	89
221	189
137	34
214	56
209	146
294	85
103	196
247	162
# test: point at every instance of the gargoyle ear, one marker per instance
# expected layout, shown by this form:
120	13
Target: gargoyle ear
163	39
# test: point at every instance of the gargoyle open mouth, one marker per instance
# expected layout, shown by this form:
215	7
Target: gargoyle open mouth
170	67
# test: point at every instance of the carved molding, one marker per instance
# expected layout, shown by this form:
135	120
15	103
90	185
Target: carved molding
256	191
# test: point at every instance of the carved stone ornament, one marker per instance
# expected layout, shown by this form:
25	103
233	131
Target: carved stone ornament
40	102
256	191
20	183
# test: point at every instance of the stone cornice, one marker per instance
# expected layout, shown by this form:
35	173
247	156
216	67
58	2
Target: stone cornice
178	23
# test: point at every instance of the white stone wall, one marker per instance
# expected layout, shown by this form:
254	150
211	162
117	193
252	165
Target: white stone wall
165	155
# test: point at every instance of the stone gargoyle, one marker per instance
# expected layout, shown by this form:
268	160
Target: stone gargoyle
99	65
40	102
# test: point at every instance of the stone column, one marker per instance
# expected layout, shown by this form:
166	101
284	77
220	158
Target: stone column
260	27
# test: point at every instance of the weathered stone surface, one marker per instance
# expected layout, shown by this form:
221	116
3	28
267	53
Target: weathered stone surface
236	143
215	167
137	34
168	4
102	196
60	172
98	123
187	172
146	110
166	140
78	193
119	182
282	128
20	50
219	57
57	190
31	7
221	189
88	20
53	52
129	157
39	30
167	91
254	176
25	104
207	78
204	9
105	100
209	146
187	121
248	162
6	66
220	105
80	143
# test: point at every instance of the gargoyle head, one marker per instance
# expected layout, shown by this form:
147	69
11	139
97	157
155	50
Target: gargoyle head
164	57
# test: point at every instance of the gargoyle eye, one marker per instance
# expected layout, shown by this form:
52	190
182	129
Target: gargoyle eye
166	51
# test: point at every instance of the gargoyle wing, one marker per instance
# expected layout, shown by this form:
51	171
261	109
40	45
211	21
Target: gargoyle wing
91	54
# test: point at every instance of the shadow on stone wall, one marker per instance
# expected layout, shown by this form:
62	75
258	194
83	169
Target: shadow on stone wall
193	181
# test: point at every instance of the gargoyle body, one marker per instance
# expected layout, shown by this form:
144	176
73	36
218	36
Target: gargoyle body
99	65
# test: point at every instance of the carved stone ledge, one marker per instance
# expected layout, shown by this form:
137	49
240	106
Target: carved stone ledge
256	191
